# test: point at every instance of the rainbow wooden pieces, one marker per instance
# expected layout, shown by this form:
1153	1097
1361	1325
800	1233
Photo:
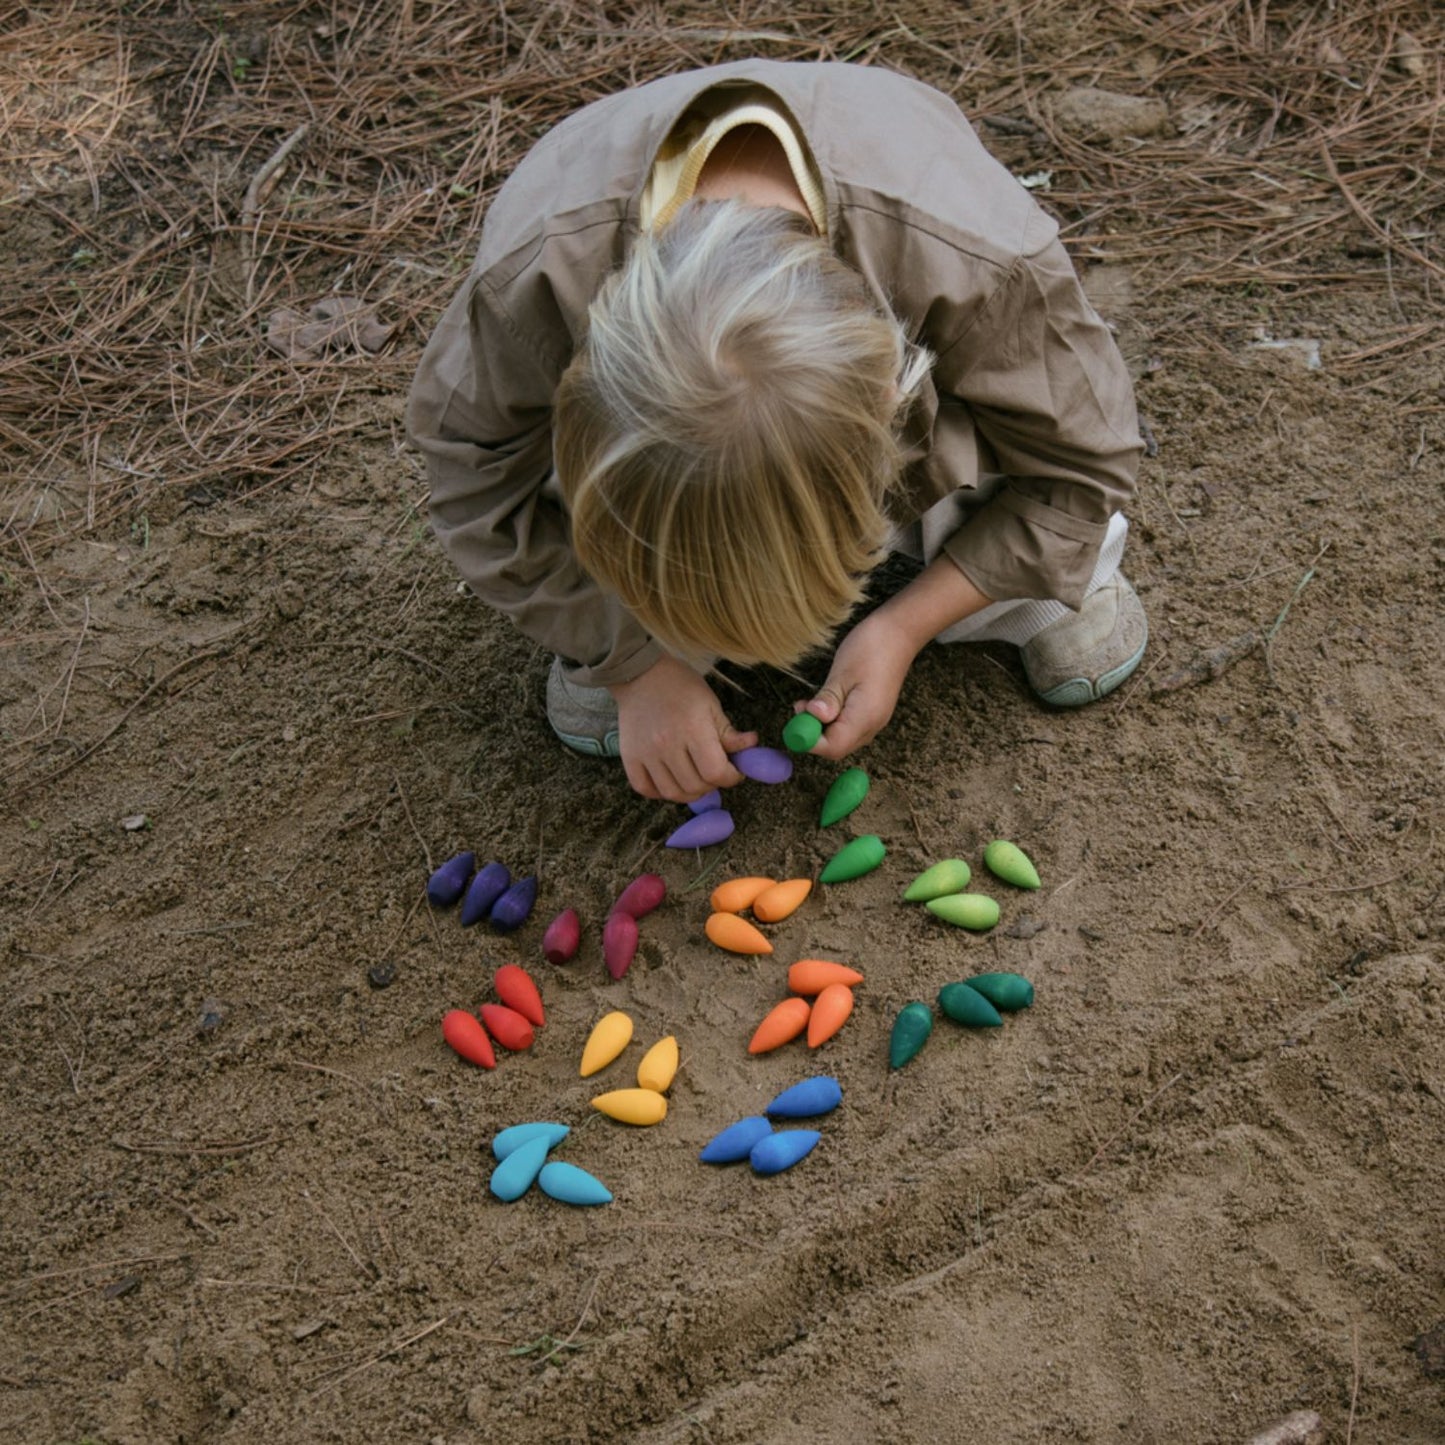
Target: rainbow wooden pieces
782	1150
514	907
774	904
516	989
562	938
802	732
855	859
703	830
641	896
515	1175
973	911
736	1142
737	894
571	1185
1008	861
808	1099
763	765
910	1032
785	1022
848	790
619	943
507	1026
516	1135
464	1033
610	1035
829	1013
633	1106
1007	992
483	891
965	1005
735	934
449	882
813	975
950	876
659	1066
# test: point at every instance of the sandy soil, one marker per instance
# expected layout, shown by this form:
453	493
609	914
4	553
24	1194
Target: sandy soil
1196	1187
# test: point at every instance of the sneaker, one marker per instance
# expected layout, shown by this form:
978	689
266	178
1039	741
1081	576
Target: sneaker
1083	656
585	718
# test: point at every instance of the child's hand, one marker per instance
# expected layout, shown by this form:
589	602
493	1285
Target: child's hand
675	737
861	692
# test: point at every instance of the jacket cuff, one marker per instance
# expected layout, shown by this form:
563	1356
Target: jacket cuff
627	660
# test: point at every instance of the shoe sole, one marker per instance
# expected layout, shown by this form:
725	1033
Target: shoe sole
1079	691
608	746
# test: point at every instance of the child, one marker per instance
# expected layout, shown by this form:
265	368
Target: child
731	338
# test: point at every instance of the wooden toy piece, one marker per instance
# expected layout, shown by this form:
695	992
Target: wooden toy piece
965	1005
563	935
619	943
782	1024
518	1134
855	859
802	732
830	1012
848	790
736	1142
736	934
633	1106
515	989
706	803
738	893
808	1099
514	907
1008	861
965	910
465	1034
483	891
641	896
571	1185
513	1177
774	904
1007	992
782	1150
658	1066
763	765
949	876
449	882
610	1035
507	1026
702	831
812	975
910	1032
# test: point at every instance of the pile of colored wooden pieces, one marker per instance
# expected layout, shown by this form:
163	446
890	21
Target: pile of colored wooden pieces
647	1103
489	892
711	822
821	1003
521	1154
771	1151
619	934
941	888
977	1003
509	1022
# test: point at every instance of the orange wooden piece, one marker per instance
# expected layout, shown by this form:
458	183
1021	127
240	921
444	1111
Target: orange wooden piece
736	934
507	1026
774	904
813	975
737	894
830	1012
465	1034
783	1024
515	989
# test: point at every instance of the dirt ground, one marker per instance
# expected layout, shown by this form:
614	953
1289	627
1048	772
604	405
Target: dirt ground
243	708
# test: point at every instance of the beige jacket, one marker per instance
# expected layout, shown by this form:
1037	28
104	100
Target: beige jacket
1028	382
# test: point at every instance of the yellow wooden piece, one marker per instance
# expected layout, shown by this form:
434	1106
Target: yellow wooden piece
610	1035
633	1106
774	904
658	1065
738	893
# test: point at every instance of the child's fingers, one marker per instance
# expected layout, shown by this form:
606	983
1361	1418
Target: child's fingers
826	703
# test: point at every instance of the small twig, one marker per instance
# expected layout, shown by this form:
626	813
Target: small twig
251	204
70	672
563	1344
241	1146
1342	888
367	1270
395	1349
1355	1387
1213	917
416	832
1128	1124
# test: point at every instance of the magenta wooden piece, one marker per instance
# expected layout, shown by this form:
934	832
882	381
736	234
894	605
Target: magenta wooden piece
619	943
704	830
641	896
564	933
763	765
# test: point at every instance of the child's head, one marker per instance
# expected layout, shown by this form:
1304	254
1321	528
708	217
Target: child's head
725	436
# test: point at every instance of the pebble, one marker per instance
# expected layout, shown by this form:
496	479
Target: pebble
381	975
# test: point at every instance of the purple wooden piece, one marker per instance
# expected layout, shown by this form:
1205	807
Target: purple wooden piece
763	765
703	830
706	803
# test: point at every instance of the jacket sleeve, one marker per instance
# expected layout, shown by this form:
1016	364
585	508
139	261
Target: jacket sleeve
1053	410
481	414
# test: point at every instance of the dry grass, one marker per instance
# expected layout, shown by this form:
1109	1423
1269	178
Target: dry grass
133	369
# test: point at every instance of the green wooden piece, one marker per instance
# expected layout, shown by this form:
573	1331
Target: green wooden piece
965	1005
950	876
1009	862
965	910
802	732
854	859
910	1032
848	790
1007	991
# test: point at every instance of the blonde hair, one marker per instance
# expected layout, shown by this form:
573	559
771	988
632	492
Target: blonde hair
726	435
